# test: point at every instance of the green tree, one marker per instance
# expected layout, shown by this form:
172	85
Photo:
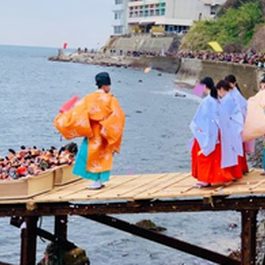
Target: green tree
235	26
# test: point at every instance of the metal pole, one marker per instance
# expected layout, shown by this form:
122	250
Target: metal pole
29	241
248	237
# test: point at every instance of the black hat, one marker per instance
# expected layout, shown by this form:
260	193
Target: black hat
103	79
208	81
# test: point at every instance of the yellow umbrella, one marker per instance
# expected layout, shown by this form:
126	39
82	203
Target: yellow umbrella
215	46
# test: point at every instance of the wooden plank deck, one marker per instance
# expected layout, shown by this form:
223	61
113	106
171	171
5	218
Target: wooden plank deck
146	187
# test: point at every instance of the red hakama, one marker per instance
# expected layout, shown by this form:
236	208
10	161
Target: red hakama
208	168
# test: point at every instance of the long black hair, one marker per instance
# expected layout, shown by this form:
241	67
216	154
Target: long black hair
209	83
232	79
223	84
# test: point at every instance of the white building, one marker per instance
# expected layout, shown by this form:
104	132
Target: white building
120	16
161	15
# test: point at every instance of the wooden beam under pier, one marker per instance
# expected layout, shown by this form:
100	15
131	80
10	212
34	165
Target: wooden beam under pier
141	206
163	239
248	237
29	241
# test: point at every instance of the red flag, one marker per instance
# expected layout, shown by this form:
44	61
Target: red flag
65	45
69	104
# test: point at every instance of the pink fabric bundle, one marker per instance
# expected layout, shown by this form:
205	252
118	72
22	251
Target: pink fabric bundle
198	90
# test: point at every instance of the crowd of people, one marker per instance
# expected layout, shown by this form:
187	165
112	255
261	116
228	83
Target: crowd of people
250	57
219	146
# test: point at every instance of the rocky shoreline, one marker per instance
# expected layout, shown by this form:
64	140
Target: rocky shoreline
160	63
92	58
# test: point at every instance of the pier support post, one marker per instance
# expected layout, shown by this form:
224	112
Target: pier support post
29	241
248	237
60	227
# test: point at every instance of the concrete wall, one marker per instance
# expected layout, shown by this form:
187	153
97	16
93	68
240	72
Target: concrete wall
138	43
189	71
163	64
192	70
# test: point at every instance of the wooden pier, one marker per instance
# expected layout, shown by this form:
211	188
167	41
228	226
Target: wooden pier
150	193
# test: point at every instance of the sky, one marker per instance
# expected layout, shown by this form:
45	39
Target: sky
50	23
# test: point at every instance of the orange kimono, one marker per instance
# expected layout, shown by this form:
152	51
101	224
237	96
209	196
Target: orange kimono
100	118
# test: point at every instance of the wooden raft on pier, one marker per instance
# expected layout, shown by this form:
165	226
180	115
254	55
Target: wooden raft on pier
148	193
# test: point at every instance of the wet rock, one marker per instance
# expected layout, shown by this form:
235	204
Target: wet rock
236	255
232	226
261	239
149	225
56	254
255	159
177	94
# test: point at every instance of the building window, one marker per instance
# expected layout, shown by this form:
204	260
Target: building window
213	10
117	29
117	15
162	11
118	2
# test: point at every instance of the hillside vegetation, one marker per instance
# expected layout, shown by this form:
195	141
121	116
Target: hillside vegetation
233	28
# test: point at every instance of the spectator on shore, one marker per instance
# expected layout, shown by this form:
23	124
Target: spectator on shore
250	57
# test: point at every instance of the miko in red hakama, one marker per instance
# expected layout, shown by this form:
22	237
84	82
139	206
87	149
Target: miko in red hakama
216	146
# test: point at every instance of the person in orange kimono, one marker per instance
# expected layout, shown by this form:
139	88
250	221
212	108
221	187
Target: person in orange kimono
99	118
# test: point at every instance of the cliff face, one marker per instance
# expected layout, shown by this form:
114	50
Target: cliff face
232	4
257	42
237	3
263	6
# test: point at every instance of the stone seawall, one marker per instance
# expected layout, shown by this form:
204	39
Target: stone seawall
160	63
187	70
163	64
248	76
